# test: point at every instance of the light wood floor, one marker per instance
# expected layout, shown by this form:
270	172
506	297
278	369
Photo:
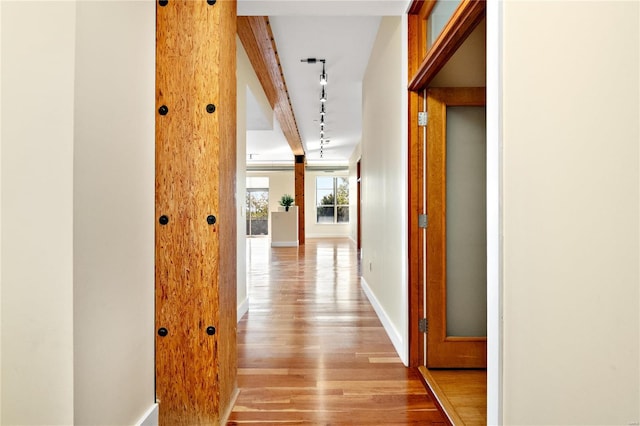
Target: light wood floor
461	393
311	350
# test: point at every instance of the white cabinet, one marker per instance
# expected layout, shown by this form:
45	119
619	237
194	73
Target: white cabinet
284	228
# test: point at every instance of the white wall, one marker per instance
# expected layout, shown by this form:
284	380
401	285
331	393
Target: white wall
248	85
280	183
384	180
113	215
494	211
37	199
323	230
467	67
0	216
283	182
571	216
77	242
241	170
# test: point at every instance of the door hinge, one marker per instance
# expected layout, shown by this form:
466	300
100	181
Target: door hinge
423	325
423	220
422	118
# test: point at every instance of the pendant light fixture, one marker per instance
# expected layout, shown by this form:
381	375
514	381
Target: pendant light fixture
323	76
323	99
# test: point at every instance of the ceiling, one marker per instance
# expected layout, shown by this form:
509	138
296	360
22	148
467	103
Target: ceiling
340	31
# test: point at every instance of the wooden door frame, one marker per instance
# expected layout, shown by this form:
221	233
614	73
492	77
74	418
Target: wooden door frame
423	66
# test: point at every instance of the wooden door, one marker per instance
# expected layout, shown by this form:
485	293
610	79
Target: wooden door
456	232
195	211
424	64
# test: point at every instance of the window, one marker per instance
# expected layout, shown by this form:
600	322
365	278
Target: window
257	211
257	205
332	199
438	19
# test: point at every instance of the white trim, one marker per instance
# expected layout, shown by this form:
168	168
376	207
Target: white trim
392	332
243	308
150	418
494	211
320	236
284	244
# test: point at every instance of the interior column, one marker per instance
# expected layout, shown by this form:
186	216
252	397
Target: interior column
299	196
195	210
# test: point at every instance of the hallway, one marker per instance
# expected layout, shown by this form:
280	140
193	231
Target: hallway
312	350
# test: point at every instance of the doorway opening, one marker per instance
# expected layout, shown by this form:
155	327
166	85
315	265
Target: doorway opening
257	206
447	218
257	212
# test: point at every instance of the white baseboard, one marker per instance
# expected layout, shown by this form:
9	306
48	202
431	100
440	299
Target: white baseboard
243	308
392	332
320	236
284	244
150	418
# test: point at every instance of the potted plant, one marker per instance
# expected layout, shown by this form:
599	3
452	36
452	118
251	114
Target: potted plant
286	201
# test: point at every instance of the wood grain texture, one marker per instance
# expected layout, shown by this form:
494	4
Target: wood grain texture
414	57
462	394
418	33
299	196
416	237
444	351
415	7
195	178
312	350
466	17
227	359
415	181
257	38
425	64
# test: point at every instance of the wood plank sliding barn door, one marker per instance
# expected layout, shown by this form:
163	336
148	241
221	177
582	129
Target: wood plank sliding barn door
195	210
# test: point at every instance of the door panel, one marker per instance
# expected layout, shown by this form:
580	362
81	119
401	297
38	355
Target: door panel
466	219
456	235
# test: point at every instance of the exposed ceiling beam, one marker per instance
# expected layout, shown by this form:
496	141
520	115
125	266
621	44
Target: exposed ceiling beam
257	39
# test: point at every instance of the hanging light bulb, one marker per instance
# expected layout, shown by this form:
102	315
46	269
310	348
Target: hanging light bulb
323	95
322	110
323	76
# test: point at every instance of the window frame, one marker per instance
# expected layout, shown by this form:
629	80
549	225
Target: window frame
425	61
335	205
